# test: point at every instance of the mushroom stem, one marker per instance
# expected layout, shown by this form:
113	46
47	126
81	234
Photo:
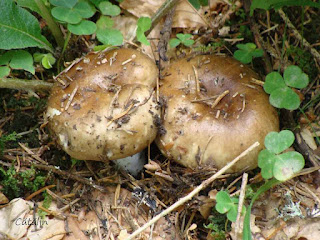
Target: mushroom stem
16	83
132	164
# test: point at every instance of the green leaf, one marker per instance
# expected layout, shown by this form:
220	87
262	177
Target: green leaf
37	57
144	23
22	59
287	165
97	2
110	36
107	8
188	42
174	42
104	22
6	57
4	71
85	9
66	15
278	142
273	81
141	37
227	204
47	60
268	4
266	160
85	27
195	4
285	98
19	28
294	77
224	203
31	4
183	37
247	52
64	3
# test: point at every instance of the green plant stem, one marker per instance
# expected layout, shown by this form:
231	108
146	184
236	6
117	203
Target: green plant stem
65	44
53	26
16	83
246	224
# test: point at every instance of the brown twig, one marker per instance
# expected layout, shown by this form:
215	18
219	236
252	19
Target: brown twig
162	11
165	36
240	205
183	200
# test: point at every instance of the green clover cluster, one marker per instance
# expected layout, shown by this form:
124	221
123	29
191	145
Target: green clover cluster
229	205
16	59
184	39
246	52
274	163
279	88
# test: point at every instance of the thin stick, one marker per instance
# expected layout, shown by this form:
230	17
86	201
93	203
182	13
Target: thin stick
25	84
183	200
222	95
241	200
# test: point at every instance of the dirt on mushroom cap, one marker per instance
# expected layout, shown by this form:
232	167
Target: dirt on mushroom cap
213	113
104	105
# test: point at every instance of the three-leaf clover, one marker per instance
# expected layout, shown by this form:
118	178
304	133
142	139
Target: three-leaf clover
16	59
185	39
229	205
281	95
281	166
144	24
74	13
46	60
246	52
106	34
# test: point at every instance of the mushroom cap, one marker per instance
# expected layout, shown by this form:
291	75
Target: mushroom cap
198	133
103	106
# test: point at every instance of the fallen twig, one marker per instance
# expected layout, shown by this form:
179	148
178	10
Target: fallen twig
203	185
241	200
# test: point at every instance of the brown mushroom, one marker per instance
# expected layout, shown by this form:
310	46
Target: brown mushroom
213	112
103	106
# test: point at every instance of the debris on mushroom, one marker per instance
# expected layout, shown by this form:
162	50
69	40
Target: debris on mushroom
104	105
213	112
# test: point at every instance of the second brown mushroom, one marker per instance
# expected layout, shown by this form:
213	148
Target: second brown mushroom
212	112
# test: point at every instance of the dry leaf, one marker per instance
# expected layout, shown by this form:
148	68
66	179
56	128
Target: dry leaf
308	138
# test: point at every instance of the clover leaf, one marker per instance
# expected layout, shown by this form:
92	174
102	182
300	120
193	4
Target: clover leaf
64	3
294	77
85	27
4	71
72	13
226	204
280	166
287	165
278	142
181	38
281	95
285	98
106	34
107	8
266	160
47	60
144	24
246	52
16	59
66	15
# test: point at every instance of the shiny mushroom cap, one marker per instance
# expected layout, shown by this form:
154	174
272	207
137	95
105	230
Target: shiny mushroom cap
103	106
213	112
